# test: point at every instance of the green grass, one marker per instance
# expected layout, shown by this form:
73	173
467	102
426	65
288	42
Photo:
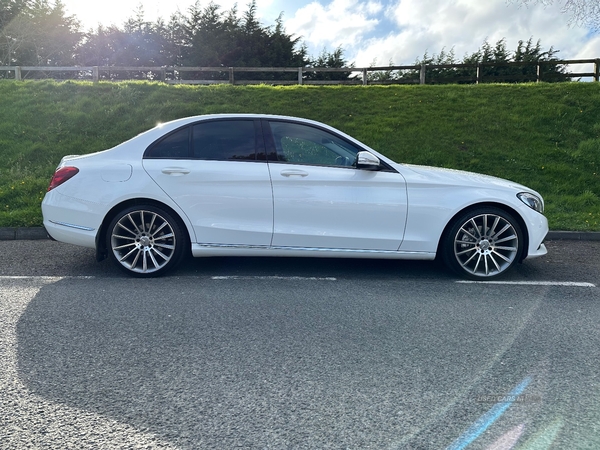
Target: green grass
546	136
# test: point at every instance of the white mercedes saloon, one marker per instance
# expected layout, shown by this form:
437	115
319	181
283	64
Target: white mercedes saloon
263	185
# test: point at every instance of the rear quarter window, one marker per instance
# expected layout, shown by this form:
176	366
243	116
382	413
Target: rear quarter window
173	146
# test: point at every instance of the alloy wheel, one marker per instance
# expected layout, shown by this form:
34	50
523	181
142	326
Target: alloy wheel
143	241
486	245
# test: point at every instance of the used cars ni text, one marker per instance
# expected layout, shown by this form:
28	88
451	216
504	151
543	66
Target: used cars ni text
263	185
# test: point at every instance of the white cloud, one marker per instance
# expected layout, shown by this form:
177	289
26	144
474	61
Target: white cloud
373	7
341	22
590	49
430	25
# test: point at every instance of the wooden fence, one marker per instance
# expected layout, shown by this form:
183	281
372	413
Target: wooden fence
417	74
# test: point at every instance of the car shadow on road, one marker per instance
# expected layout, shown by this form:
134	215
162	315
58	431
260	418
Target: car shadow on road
311	267
206	364
287	363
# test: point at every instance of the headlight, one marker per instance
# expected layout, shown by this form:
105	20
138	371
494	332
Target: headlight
533	201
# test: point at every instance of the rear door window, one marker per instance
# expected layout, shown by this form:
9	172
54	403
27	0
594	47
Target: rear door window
225	140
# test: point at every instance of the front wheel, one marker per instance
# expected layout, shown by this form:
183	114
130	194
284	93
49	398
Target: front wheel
145	241
483	243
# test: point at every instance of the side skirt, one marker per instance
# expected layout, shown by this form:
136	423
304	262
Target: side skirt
202	250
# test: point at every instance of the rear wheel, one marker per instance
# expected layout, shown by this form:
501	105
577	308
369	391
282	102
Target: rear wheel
145	241
483	243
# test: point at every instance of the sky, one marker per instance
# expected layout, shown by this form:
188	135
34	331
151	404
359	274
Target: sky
377	32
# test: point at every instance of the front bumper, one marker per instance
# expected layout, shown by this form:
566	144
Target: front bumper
541	251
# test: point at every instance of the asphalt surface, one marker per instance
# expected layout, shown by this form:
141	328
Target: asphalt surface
297	353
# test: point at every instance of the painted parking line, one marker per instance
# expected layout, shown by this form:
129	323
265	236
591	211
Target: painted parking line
299	278
226	277
272	277
532	283
45	277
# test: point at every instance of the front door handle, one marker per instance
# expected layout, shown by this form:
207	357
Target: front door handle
294	173
175	171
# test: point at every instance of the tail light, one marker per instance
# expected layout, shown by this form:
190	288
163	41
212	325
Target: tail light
62	175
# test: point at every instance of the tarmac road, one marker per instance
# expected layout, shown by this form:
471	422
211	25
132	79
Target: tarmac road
293	353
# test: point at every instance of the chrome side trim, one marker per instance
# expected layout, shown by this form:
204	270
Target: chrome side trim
341	250
306	249
70	225
241	246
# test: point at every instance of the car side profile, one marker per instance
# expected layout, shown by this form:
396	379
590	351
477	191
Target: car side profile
264	185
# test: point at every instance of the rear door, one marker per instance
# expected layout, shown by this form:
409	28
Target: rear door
216	171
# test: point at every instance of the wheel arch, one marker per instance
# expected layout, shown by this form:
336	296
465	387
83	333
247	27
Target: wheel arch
513	212
101	250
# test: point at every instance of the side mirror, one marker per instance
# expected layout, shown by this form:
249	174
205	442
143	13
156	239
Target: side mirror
367	161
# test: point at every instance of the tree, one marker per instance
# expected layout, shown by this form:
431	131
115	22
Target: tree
140	43
382	76
437	75
99	47
137	43
491	55
208	36
334	60
281	47
143	43
213	38
528	52
493	67
40	35
9	9
581	12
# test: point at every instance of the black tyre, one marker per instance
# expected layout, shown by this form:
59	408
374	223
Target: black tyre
483	243
145	241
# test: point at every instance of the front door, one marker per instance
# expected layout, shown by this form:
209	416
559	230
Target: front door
322	201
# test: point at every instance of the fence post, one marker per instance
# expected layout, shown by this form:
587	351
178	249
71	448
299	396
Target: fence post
18	75
364	75
300	75
539	72
231	79
422	74
478	74
163	74
95	74
597	70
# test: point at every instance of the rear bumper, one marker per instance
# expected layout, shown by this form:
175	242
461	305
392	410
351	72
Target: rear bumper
70	220
71	233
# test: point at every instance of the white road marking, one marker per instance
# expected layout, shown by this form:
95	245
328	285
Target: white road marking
531	283
273	277
298	278
44	277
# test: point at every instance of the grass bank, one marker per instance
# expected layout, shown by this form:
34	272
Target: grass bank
546	136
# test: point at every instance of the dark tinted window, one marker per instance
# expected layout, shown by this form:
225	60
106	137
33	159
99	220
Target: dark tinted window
175	145
303	144
226	140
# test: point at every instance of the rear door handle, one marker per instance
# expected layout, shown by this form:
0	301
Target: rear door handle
175	171
294	173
